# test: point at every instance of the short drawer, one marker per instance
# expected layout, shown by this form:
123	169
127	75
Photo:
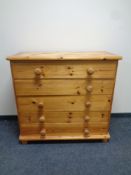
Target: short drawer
64	129
62	117
64	103
64	69
63	87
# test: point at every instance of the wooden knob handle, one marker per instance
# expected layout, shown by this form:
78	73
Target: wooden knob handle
88	104
90	70
42	119
38	71
87	118
40	105
89	88
43	132
86	132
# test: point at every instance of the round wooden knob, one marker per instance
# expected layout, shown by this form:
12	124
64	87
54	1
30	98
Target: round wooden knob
90	70
42	119
40	105
88	104
38	71
43	132
87	118
89	88
86	132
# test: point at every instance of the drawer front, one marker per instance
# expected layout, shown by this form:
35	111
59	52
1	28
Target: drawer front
63	87
62	117
64	69
64	129
65	103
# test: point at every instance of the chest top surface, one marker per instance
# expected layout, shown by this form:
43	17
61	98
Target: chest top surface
98	55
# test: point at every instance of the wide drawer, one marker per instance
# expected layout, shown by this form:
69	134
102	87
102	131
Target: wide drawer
63	87
64	69
64	103
64	129
28	117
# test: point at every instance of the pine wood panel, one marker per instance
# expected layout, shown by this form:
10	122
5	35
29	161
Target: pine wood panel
62	117
63	87
64	69
36	137
65	103
57	129
98	55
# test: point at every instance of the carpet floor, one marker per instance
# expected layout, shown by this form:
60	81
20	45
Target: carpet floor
66	158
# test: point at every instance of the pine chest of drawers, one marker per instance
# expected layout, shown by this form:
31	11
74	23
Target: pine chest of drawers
62	96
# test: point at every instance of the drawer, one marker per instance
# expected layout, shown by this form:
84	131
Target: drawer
64	69
63	129
63	87
64	103
62	117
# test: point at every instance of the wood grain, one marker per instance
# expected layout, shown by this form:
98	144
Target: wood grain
66	129
65	103
63	87
28	117
36	137
99	55
65	69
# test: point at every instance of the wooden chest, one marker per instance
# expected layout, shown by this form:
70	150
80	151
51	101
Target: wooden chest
62	96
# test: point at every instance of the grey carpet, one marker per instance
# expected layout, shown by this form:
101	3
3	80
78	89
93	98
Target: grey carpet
66	158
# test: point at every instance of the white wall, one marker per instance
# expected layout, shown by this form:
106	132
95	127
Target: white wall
66	25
